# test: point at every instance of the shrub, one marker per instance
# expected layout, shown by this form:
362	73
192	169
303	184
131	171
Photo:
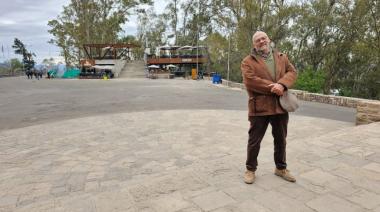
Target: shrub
311	81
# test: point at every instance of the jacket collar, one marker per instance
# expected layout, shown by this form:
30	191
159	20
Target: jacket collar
256	56
276	56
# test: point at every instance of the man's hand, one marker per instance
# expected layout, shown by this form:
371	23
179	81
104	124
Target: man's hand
277	88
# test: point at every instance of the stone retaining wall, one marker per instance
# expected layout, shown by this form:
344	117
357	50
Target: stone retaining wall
327	99
367	111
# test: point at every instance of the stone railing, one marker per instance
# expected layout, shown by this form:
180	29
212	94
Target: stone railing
367	111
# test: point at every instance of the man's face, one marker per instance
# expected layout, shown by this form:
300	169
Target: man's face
261	42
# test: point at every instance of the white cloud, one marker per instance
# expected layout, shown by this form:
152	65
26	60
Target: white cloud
7	22
27	20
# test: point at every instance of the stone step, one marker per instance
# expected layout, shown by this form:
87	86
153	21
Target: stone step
133	69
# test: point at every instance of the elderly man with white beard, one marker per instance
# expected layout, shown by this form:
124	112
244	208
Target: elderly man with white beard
266	73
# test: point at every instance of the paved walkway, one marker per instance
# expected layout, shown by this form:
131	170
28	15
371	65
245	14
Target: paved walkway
185	160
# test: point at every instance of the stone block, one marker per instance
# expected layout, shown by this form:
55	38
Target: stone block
58	191
373	117
374	157
276	201
342	187
213	200
165	185
366	199
368	112
373	167
91	186
250	206
269	181
8	201
76	182
297	192
318	177
359	151
345	159
332	203
7	209
243	191
169	203
40	206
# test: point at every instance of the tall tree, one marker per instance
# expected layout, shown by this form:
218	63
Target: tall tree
336	43
172	9
90	21
27	56
152	29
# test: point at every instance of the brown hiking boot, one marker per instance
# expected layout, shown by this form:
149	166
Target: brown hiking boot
284	174
249	177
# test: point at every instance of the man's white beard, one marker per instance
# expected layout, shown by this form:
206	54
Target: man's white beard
264	48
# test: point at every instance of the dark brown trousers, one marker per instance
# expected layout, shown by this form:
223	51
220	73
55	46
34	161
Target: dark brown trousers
259	125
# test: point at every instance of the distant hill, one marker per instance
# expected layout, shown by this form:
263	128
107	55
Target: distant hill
4	65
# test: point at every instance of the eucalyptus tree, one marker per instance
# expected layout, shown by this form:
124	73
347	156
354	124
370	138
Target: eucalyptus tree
373	78
339	39
218	51
361	74
172	9
90	21
151	29
335	43
239	19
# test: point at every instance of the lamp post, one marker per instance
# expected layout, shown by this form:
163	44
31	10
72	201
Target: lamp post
197	55
229	50
199	11
228	59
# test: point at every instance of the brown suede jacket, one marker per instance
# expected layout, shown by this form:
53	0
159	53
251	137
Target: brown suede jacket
256	78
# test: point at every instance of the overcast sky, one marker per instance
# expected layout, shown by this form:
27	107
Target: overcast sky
27	20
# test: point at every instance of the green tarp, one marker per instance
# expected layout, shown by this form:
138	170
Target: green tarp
52	73
69	73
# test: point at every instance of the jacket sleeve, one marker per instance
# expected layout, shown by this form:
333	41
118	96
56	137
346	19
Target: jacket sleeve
252	82
290	74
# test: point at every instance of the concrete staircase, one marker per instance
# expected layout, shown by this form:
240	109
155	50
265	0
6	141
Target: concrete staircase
133	69
119	66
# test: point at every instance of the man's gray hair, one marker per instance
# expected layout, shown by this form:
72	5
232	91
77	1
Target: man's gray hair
256	33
